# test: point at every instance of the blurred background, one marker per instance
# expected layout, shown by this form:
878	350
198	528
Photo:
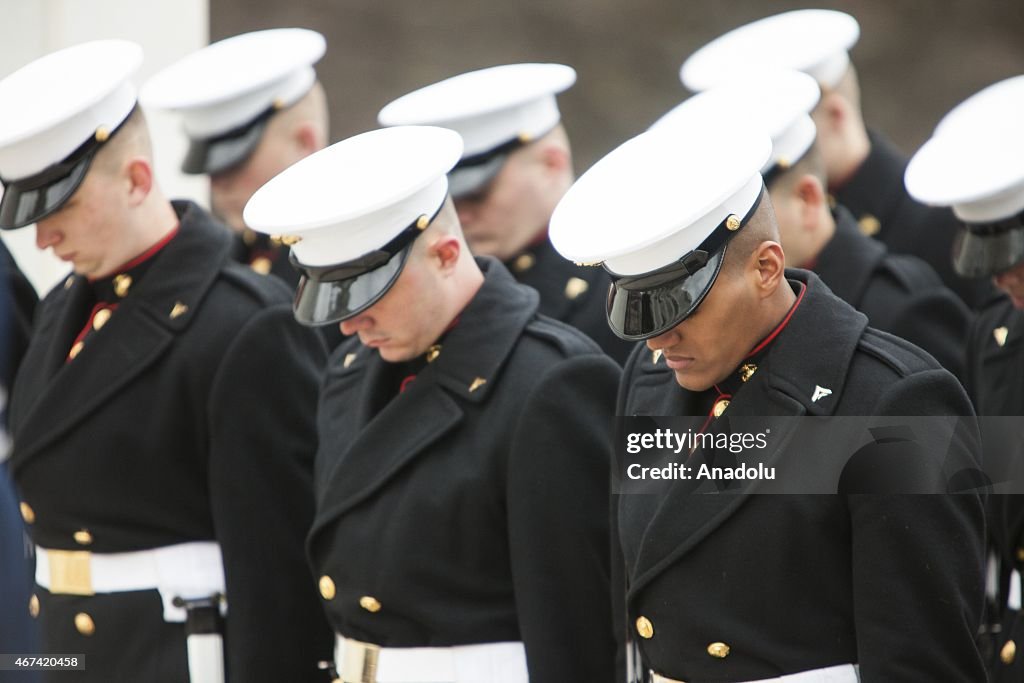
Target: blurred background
916	58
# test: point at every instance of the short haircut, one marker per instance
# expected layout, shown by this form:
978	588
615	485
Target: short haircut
761	228
131	139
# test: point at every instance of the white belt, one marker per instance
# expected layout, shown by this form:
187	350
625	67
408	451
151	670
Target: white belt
185	571
484	663
843	673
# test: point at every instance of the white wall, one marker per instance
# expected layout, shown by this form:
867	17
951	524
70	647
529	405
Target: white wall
166	29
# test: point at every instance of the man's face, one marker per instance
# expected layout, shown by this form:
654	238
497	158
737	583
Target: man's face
703	349
231	189
504	216
403	323
1012	282
87	231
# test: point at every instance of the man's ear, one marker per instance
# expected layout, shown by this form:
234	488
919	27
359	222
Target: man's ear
811	194
769	265
445	251
139	174
308	138
555	158
836	110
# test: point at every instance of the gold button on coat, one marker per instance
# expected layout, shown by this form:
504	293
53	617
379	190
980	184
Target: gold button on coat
76	349
122	283
369	603
261	265
869	225
84	624
644	627
327	587
1008	653
720	406
720	650
1020	552
33	606
523	263
101	318
27	513
575	287
83	537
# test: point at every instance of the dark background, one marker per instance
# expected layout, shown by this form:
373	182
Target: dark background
916	58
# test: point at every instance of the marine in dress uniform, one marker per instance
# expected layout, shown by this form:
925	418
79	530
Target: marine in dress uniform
899	294
462	476
747	587
516	165
865	170
163	461
972	165
250	106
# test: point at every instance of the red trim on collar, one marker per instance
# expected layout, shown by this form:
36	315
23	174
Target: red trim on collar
146	255
781	326
80	337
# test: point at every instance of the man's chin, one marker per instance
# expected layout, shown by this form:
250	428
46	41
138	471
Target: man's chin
691	381
393	354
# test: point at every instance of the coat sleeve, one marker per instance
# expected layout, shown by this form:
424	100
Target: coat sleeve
262	443
558	511
917	560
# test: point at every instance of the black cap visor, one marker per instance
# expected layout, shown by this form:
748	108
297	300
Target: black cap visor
24	203
468	180
224	152
984	250
473	173
31	199
646	305
330	294
320	301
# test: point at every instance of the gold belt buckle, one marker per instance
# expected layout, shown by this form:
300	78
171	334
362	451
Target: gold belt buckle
70	572
359	662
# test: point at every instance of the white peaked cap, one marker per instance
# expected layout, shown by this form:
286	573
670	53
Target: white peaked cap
814	41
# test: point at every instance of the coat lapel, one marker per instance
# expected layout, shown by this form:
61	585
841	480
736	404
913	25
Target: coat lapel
468	367
692	511
407	426
139	333
58	323
1001	371
782	389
